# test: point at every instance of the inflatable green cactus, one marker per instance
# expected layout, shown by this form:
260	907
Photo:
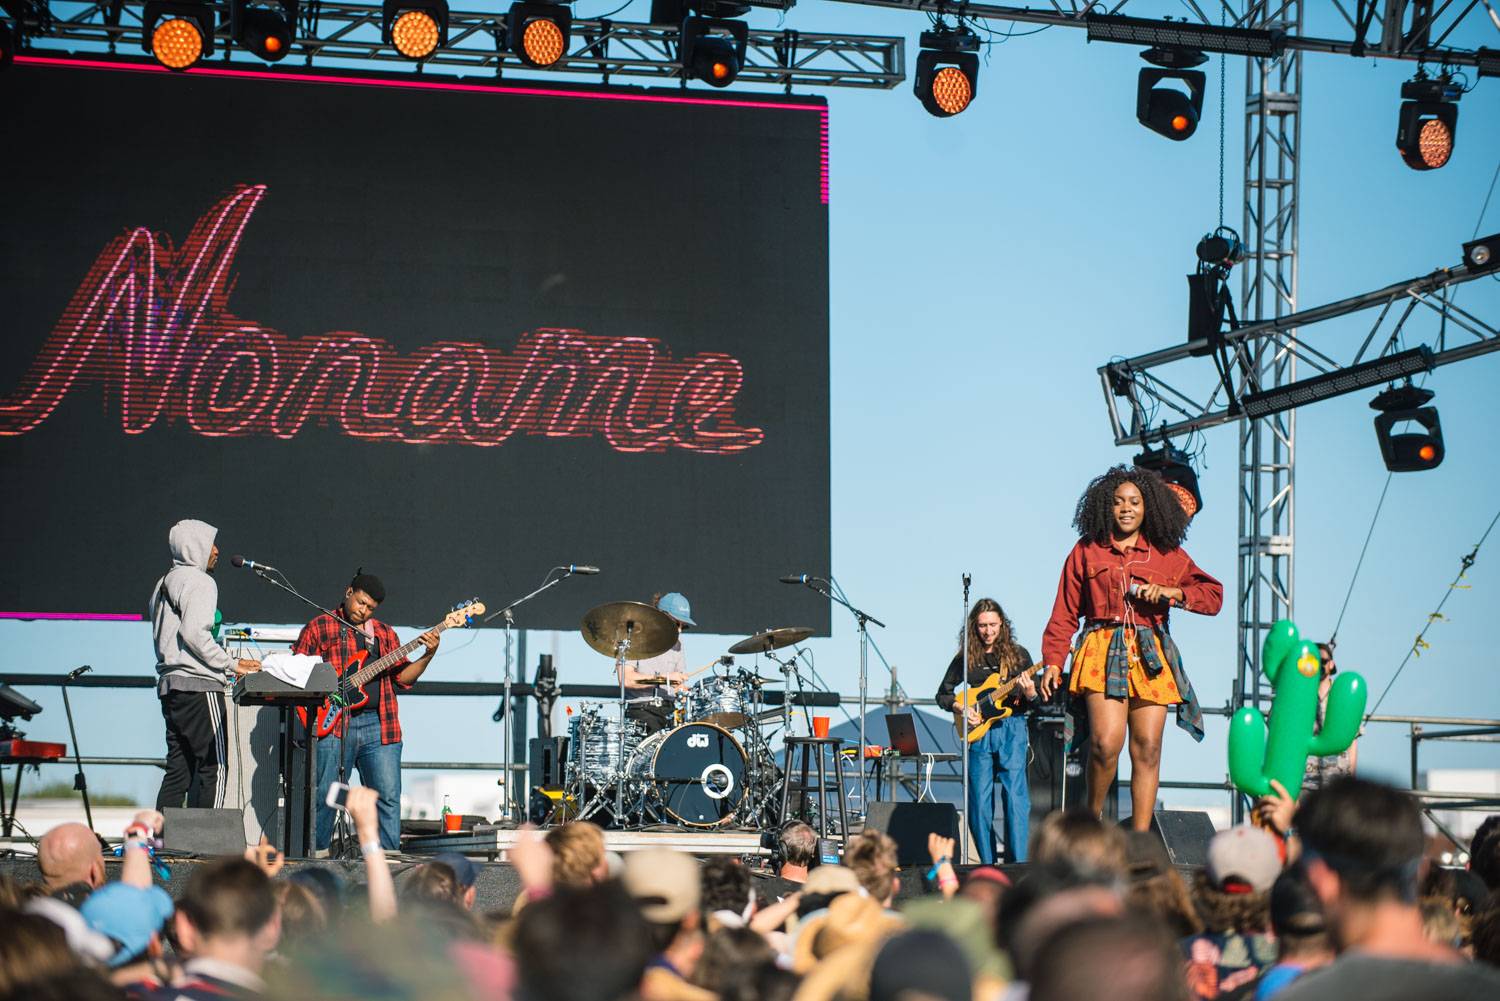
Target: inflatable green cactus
1279	749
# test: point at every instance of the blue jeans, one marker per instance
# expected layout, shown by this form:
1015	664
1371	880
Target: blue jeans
1000	754
379	768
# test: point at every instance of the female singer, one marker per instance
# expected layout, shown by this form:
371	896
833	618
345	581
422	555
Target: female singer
1125	572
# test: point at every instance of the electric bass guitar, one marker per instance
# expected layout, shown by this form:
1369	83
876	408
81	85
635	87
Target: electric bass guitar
987	698
351	695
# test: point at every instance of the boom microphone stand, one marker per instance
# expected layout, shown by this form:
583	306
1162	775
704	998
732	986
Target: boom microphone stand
79	782
863	619
963	809
504	711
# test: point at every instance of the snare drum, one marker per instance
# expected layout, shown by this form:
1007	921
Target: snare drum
695	773
721	701
594	749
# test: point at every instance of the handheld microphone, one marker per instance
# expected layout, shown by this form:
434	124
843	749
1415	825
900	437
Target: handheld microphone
79	672
800	578
240	561
578	568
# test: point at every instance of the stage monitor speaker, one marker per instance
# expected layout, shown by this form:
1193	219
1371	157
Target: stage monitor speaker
548	761
203	831
910	823
1186	833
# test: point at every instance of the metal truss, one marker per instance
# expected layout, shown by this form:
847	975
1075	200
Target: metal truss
1413	30
350	34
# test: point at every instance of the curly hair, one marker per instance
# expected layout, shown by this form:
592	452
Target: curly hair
1246	913
871	855
1164	523
1005	642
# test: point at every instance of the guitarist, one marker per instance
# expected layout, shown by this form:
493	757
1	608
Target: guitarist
368	739
1001	753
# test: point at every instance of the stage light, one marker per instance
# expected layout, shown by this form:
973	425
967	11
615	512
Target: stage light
1386	368
712	49
415	28
1176	469
178	34
1185	34
1209	298
946	80
1168	111
1411	450
1428	121
1482	255
264	27
538	32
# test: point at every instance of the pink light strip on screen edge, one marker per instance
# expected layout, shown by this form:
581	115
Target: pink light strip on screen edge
457	87
76	616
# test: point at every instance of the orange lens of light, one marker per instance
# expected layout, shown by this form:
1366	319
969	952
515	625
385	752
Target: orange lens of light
1434	143
176	43
415	34
542	42
951	90
720	70
1427	453
1180	123
272	43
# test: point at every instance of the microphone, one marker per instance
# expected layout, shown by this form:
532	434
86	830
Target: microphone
800	578
240	561
578	568
79	672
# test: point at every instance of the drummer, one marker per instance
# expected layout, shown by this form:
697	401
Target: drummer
651	704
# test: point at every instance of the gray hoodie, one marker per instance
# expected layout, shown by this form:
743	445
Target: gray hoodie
188	658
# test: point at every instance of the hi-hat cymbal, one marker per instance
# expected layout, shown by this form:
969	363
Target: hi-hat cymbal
647	630
772	639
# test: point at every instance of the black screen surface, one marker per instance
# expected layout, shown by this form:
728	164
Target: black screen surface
453	335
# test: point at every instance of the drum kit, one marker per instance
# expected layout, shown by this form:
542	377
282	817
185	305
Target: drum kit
712	766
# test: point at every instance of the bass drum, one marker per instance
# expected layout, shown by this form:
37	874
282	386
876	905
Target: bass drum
695	774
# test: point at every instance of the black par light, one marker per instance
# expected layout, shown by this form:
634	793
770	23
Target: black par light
264	27
946	80
1428	122
178	35
1418	444
1169	111
712	49
1175	468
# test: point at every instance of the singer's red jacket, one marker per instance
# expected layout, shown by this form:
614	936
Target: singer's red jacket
1095	586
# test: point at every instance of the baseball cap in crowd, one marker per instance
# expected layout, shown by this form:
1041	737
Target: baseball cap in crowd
924	963
1243	859
988	874
676	606
830	880
664	882
461	866
128	914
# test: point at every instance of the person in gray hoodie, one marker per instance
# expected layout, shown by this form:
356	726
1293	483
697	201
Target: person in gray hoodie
193	670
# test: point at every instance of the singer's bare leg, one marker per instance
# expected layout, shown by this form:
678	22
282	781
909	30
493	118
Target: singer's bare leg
1107	719
1147	720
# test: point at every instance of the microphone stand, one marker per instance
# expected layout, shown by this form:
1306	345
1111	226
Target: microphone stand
503	714
863	619
79	781
963	809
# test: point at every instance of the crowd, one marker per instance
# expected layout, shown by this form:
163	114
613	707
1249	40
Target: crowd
1330	898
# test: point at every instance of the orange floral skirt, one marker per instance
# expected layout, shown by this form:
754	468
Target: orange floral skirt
1091	666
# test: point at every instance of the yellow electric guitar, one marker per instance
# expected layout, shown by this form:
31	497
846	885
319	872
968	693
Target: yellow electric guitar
987	698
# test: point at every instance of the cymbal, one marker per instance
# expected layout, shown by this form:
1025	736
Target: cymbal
648	630
772	639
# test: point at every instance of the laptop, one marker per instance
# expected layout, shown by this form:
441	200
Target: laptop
903	732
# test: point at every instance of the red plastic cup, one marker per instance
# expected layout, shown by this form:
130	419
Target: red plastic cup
453	822
820	726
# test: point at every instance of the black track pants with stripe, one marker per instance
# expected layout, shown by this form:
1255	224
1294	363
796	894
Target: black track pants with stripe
197	750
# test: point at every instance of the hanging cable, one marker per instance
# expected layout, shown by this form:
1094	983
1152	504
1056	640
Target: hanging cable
1333	639
1420	643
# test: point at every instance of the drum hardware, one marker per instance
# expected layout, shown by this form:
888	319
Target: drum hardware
772	639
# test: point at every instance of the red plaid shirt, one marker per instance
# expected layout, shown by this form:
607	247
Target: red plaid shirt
323	637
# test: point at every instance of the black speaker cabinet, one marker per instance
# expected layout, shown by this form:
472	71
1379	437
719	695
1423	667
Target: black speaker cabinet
1186	833
910	823
1058	781
203	831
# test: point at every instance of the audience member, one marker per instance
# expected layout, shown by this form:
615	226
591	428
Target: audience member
227	925
921	964
578	856
135	919
303	917
1362	846
985	885
727	900
78	984
1114	958
1484	852
1155	887
1083	841
871	856
1232	895
1484	932
1070	894
71	861
726	952
968	924
1301	931
837	948
467	875
601	925
797	844
31	949
1439	923
665	884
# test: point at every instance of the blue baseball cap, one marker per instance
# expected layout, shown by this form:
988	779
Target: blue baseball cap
461	866
677	606
128	914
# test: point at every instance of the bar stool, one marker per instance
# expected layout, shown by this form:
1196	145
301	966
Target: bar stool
813	749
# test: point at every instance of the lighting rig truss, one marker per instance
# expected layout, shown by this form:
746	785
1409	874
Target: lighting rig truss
1158	410
1378	27
477	43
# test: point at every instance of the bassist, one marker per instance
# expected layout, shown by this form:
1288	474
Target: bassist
369	738
1000	755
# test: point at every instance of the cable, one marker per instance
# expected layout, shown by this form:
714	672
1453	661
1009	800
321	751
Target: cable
1418	643
1333	639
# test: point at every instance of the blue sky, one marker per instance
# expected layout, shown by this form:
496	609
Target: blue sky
982	268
